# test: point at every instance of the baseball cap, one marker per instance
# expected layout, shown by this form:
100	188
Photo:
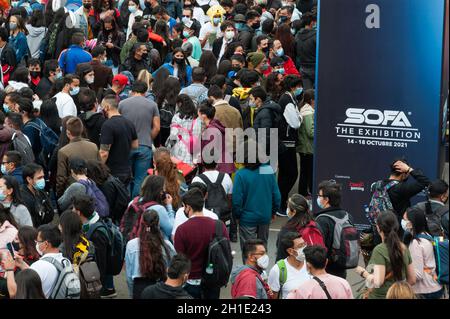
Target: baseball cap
120	79
239	18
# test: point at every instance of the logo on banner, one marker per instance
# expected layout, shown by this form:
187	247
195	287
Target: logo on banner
357	186
375	127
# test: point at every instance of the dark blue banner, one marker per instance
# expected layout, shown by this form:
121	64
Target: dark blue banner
379	92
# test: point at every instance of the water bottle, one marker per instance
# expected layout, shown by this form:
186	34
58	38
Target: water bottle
209	269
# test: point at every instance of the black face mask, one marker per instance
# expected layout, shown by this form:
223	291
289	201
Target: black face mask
87	5
35	74
16	246
256	25
178	60
266	49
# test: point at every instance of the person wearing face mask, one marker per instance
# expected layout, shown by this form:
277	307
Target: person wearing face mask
8	227
189	31
329	201
262	45
277	53
103	75
136	61
51	73
10	198
172	288
196	247
436	207
289	273
258	62
7	56
220	45
322	285
300	221
34	67
135	11
74	55
64	101
47	245
34	196
305	49
82	19
248	30
18	39
12	165
420	242
211	30
246	280
178	68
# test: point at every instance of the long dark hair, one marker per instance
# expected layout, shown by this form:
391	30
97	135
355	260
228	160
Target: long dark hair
115	28
208	62
169	92
286	38
49	114
5	215
302	216
29	285
186	107
12	183
182	74
70	232
151	245
97	5
168	169
388	224
272	88
152	188
27	236
159	82
419	224
97	171
37	18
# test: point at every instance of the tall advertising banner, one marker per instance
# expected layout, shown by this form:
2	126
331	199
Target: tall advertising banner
381	87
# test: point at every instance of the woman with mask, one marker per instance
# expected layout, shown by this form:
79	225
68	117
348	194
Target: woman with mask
113	40
178	68
300	221
87	76
8	227
102	10
18	39
135	11
390	262
420	244
25	244
290	272
10	198
147	256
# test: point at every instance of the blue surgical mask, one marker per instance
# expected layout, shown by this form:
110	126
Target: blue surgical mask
239	26
75	90
6	108
132	9
281	71
319	203
280	52
216	21
4	171
298	92
59	75
40	184
2	197
186	34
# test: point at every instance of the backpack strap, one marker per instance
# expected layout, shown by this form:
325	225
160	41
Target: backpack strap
283	275
322	285
59	268
220	178
205	179
94	227
218	232
391	184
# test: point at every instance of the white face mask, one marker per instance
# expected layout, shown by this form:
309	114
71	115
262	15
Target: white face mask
40	252
300	254
405	225
288	213
263	262
90	79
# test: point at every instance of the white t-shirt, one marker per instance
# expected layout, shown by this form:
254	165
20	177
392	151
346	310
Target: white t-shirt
47	272
209	28
180	218
293	280
227	183
65	104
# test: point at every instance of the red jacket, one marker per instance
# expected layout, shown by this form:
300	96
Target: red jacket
289	68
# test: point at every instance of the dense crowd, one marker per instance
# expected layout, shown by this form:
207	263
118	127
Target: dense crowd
117	159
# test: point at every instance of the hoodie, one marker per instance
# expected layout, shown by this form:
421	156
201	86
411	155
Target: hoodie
93	123
162	291
34	39
268	116
247	282
5	139
222	166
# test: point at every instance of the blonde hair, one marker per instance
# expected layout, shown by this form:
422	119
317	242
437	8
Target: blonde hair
401	290
145	77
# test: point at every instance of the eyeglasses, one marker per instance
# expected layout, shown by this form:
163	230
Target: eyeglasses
259	254
6	162
39	242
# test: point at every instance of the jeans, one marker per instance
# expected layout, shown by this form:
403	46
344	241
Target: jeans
109	282
200	292
140	160
249	232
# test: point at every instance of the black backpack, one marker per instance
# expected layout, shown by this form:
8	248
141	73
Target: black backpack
220	260
434	219
217	200
166	114
121	200
20	144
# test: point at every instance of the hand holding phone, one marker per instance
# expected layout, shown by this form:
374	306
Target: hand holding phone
11	249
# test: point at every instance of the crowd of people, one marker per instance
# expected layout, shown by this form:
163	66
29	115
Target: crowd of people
108	109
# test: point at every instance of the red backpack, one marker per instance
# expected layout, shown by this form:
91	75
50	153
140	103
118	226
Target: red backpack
311	234
130	226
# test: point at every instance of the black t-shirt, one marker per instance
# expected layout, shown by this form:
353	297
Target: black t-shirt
162	291
119	133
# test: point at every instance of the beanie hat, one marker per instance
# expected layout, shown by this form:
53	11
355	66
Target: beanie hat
255	58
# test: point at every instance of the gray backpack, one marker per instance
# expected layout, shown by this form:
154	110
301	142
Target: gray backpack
67	286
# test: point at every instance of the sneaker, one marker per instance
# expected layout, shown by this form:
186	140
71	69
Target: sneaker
282	214
108	293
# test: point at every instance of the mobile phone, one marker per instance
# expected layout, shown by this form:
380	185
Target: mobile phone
163	196
11	249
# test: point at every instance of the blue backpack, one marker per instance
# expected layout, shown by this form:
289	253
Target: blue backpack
441	257
101	204
48	139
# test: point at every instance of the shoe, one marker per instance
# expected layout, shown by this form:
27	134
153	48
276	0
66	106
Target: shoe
282	214
108	293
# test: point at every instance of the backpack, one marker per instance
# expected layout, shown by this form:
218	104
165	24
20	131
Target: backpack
193	143
101	204
434	219
67	285
444	224
130	226
166	113
20	144
116	246
122	198
89	275
217	200
345	248
380	200
219	262
283	275
441	257
312	234
48	139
